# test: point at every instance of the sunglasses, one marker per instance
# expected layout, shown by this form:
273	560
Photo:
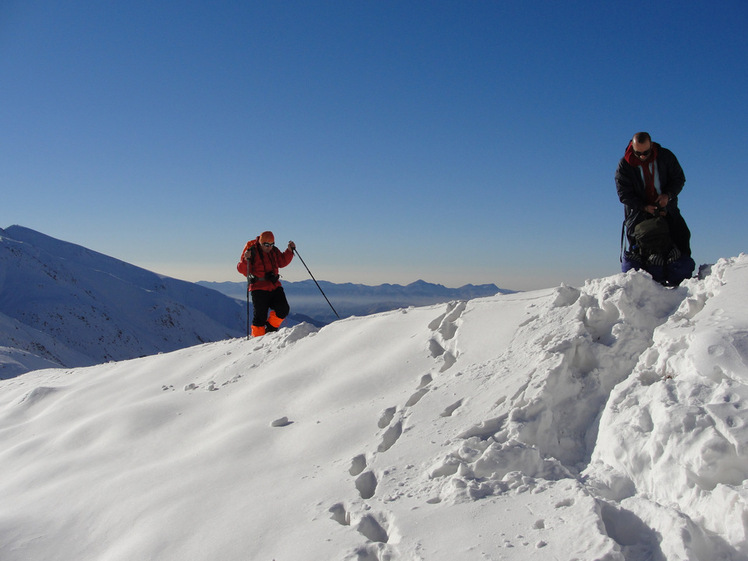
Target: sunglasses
266	244
645	153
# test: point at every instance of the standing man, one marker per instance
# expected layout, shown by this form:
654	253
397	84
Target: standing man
260	262
649	180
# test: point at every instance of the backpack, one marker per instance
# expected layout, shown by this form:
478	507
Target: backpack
653	239
242	265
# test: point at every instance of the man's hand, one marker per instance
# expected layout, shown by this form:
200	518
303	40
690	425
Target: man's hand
291	246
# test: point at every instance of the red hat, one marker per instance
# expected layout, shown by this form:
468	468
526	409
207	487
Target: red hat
267	237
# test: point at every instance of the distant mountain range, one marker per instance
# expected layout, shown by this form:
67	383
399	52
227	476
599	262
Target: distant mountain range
349	299
62	305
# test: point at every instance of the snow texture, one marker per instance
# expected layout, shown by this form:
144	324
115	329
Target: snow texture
606	422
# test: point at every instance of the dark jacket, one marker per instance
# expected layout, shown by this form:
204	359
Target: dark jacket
632	192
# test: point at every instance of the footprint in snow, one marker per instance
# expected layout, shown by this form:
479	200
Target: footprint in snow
445	324
416	397
366	483
449	361
358	464
370	528
435	349
282	422
451	409
340	514
390	436
426	379
386	417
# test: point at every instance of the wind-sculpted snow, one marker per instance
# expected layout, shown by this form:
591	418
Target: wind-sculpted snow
682	416
602	422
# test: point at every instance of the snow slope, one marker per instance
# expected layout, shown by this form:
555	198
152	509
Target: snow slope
23	348
601	422
66	305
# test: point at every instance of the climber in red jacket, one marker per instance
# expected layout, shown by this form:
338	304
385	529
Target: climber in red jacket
260	262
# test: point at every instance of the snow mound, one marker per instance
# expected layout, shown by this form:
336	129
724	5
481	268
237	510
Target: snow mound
682	416
598	422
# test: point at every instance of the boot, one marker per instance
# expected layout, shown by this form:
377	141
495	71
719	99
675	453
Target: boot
274	322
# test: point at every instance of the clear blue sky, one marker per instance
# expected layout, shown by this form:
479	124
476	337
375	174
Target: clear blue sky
454	142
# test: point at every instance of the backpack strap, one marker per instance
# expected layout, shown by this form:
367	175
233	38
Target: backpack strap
251	279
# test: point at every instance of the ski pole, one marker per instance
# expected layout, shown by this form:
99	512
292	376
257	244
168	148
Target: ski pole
315	281
249	282
247	303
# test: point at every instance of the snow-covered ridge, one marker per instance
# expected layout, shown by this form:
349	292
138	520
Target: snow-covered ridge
65	305
601	422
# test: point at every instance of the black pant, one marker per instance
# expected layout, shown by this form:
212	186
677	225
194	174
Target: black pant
264	300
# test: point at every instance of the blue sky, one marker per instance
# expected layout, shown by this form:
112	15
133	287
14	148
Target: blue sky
454	142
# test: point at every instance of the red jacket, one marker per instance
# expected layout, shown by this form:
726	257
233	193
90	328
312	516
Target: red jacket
263	266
